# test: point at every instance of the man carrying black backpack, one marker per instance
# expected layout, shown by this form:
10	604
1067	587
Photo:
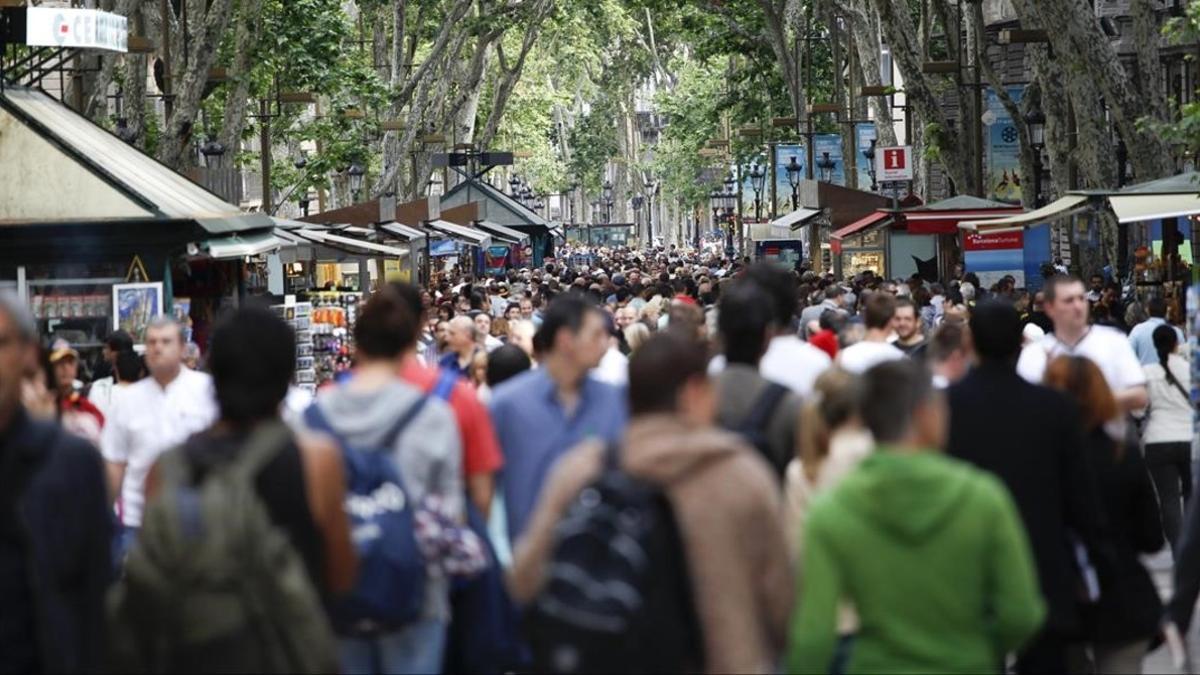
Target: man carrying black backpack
765	413
698	581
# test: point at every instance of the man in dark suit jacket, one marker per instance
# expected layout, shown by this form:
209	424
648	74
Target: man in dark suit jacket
1031	438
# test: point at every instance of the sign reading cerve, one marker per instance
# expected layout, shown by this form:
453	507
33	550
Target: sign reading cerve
894	164
81	28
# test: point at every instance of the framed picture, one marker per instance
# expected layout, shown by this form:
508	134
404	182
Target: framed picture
135	306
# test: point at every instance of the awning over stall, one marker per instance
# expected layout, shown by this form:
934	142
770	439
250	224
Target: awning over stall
459	233
861	225
405	232
501	233
1064	206
243	244
1132	208
350	244
796	219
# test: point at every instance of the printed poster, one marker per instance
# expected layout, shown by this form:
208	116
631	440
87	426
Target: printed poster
864	133
1003	150
994	255
783	188
832	144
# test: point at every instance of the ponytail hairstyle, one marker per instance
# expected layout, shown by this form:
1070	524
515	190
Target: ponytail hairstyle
1166	340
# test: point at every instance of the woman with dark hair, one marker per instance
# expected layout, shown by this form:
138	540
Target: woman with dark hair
1122	625
1168	432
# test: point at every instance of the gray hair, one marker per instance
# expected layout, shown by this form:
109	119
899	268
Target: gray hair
166	321
19	314
466	323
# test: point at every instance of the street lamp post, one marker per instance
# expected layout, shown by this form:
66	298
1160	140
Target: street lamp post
826	164
637	202
651	187
514	185
758	178
214	152
356	173
717	198
607	190
869	154
1036	122
794	175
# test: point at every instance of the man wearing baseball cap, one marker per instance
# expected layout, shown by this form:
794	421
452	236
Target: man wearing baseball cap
77	414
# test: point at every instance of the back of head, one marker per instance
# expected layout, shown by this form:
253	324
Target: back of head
386	327
879	310
780	287
996	331
119	341
890	395
411	295
252	355
566	312
833	403
506	362
744	318
1157	307
129	366
1166	340
946	340
1082	380
659	370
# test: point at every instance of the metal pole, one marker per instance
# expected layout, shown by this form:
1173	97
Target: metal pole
168	104
265	152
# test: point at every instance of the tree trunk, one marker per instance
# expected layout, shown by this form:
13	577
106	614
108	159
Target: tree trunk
510	76
249	28
866	30
205	44
1148	35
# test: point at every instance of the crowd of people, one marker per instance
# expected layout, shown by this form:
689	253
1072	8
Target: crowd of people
652	462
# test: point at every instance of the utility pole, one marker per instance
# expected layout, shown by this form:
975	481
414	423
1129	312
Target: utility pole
264	140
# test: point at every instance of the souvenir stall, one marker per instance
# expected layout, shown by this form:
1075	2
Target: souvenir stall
508	249
131	238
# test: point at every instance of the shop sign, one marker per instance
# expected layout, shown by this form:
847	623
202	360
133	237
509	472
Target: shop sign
85	28
894	164
993	255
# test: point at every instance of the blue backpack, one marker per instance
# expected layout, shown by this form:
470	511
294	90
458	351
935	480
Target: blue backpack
390	589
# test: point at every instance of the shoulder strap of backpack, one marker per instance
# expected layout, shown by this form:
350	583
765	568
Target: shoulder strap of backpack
444	386
264	443
764	407
405	419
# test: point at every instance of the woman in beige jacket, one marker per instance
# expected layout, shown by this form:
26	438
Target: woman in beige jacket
725	499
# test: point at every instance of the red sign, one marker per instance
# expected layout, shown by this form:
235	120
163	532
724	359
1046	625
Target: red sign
894	164
993	241
894	158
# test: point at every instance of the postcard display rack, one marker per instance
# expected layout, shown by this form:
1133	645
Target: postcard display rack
333	317
299	316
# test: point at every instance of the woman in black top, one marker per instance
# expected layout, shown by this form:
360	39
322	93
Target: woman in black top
1124	623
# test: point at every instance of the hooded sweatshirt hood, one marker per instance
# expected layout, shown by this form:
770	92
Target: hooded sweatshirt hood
906	495
663	448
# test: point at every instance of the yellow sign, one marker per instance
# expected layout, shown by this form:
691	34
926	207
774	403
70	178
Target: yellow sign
394	271
137	271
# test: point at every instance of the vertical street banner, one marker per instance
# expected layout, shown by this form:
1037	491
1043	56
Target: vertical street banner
864	133
747	191
832	144
784	153
1003	149
992	255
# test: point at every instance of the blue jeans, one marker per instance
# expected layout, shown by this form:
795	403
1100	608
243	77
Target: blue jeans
414	649
122	542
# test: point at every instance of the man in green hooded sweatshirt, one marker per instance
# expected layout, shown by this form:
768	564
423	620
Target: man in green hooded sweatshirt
929	550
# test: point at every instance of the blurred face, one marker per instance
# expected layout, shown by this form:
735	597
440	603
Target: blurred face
905	322
108	355
625	317
15	358
1038	301
526	309
479	369
1096	282
459	337
164	351
930	422
585	348
1069	309
483	324
512	313
426	300
65	372
440	332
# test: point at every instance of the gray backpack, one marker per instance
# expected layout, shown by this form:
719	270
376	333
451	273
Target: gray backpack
212	585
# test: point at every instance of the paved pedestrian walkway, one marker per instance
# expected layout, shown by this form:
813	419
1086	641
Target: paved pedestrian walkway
1159	661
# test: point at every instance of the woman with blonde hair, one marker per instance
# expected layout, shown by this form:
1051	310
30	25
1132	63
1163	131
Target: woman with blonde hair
636	335
831	443
1123	624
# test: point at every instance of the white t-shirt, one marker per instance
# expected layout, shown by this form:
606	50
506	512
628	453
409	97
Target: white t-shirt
1171	415
613	368
149	421
1107	347
794	363
863	356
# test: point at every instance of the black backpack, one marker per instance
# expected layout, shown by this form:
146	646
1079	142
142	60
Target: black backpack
617	596
753	427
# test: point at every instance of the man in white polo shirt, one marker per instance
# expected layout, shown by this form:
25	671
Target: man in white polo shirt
156	414
1067	306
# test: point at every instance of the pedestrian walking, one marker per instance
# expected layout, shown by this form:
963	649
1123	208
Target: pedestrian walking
765	413
156	414
235	582
1168	431
892	538
910	338
541	414
1035	446
1124	621
377	412
721	496
76	413
874	348
788	360
462	343
55	526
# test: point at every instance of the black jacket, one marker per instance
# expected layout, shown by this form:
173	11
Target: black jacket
1129	608
57	531
1031	438
1187	565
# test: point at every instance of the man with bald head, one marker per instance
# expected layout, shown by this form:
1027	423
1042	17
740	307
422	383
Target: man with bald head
461	346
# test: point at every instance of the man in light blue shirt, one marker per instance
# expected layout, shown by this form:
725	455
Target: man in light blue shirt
543	413
1142	335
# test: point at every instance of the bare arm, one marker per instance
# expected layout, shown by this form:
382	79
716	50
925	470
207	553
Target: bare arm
481	488
325	483
114	474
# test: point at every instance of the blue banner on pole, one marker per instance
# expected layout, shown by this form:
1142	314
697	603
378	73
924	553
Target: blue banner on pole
784	154
1004	177
864	133
828	147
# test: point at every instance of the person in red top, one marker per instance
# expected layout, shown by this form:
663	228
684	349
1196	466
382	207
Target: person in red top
76	414
481	448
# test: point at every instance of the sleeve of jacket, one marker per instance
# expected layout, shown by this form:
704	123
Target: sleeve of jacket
1017	605
1187	567
774	567
1084	510
1149	535
813	637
